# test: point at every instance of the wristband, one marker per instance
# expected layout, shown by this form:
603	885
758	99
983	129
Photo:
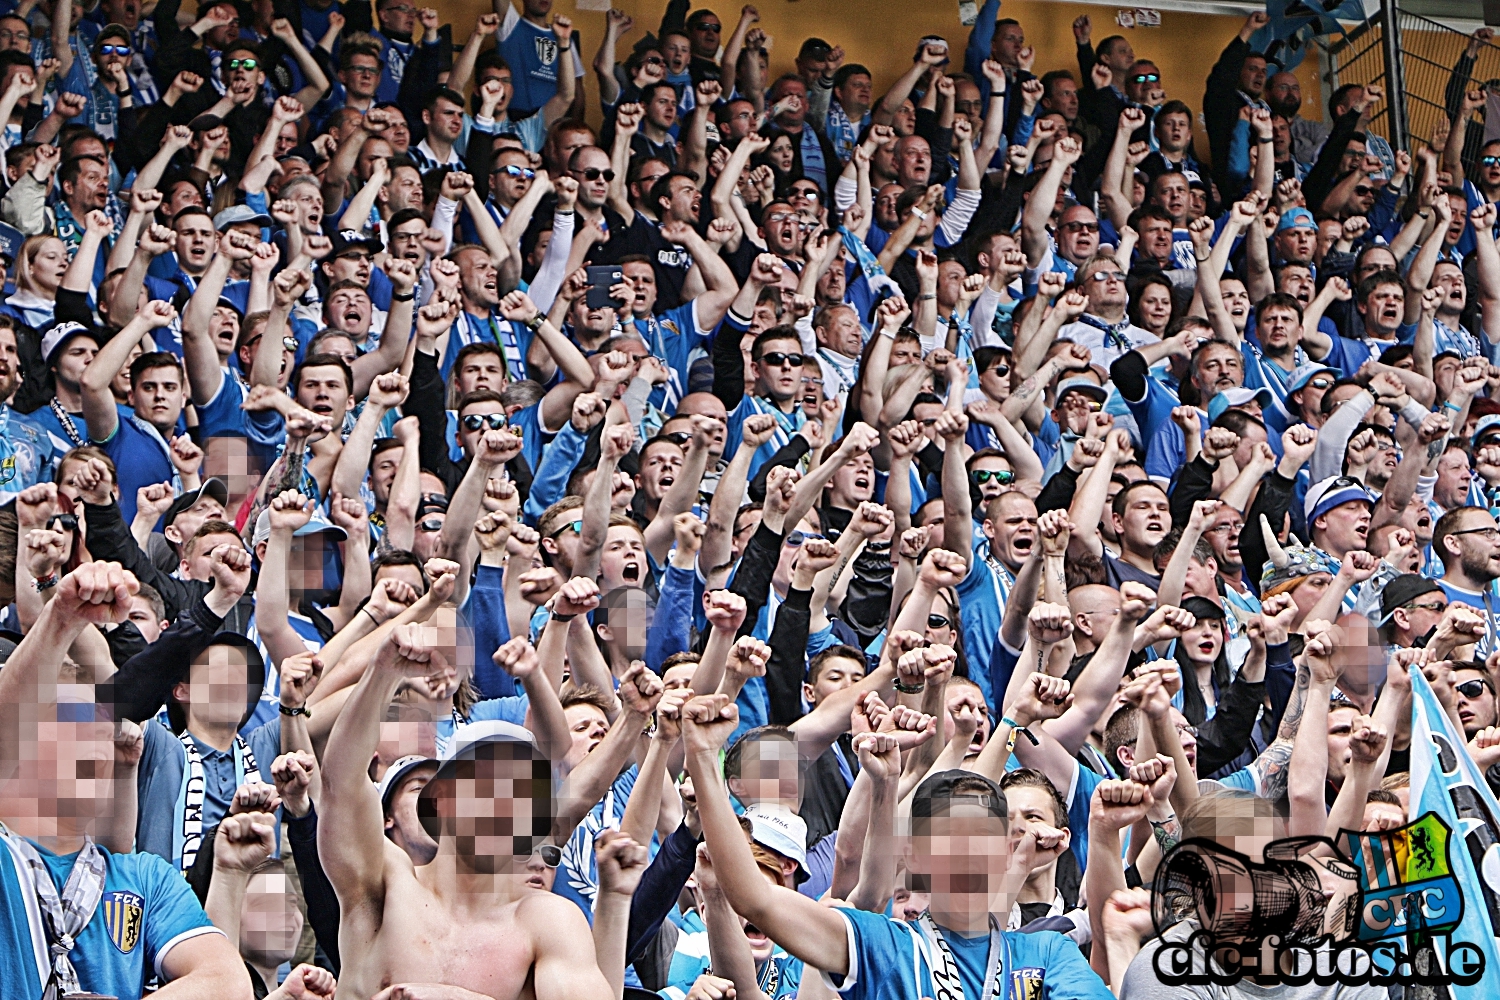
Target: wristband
563	618
911	688
46	584
1448	405
1261	140
919	214
535	322
924	298
409	296
299	710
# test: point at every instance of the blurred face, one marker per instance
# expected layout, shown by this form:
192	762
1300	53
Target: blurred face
445	119
1010	39
677	50
15	36
1344	528
397	16
836	674
1253	75
623	563
704	35
791	118
855	95
1012	529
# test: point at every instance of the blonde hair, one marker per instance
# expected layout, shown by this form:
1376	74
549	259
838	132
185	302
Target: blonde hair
25	280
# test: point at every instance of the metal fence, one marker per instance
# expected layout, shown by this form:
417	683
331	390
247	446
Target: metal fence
1416	59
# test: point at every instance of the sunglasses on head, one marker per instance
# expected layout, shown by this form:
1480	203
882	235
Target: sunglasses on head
1146	78
430	524
474	421
244	64
937	621
114	50
1002	476
776	359
511	170
594	173
65	522
1471	689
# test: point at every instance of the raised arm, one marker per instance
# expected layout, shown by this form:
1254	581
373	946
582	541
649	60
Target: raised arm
98	401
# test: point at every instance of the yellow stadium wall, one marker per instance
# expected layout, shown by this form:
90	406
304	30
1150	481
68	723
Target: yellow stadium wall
882	35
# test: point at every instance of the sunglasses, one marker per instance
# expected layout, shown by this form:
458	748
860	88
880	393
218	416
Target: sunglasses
1146	78
1320	383
796	538
551	856
811	194
66	522
653	61
1363	190
1081	227
594	173
1430	606
474	421
1471	689
574	525
1000	370
1490	161
114	50
289	343
1103	276
244	64
678	437
430	524
776	359
937	621
511	170
1002	476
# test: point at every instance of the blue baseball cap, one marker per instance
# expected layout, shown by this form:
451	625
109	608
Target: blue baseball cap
1485	424
1305	373
1296	218
1238	396
1330	493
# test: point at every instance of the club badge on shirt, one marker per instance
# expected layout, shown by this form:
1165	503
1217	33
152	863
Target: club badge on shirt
546	49
1027	984
123	915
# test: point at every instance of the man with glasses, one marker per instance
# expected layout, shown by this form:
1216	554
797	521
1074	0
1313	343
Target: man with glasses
1077	234
1474	697
1105	327
360	71
1410	608
1467	540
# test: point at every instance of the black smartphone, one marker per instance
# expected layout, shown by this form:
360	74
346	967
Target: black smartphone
603	277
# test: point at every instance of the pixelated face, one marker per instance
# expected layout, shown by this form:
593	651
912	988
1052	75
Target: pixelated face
769	772
496	810
623	561
217	690
964	854
324	390
72	772
270	920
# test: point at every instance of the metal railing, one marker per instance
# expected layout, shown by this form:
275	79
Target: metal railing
1417	60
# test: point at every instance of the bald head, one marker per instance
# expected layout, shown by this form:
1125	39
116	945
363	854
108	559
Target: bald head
1094	606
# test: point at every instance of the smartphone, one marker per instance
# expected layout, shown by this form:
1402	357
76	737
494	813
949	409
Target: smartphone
603	277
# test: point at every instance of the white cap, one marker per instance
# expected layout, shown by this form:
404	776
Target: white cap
781	831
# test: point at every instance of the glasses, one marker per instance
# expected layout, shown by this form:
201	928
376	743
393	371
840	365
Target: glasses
1471	689
1490	532
244	64
1146	78
1002	476
1430	606
7	35
430	524
796	538
289	343
1000	370
784	217
809	380
474	421
551	856
647	183
365	70
114	50
711	28
1189	730
1081	227
1321	383
1363	190
65	522
776	359
1230	528
1103	276
678	437
574	525
937	621
511	170
811	194
594	173
402	9
1487	161
653	61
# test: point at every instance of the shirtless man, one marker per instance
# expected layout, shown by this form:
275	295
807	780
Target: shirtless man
467	920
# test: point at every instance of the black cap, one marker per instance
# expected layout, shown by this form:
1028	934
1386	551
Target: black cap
1402	591
345	240
814	48
213	486
1202	607
937	790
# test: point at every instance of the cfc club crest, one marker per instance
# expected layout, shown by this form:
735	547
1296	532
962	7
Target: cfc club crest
123	912
546	49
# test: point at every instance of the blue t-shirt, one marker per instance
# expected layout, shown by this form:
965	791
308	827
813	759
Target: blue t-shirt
532	53
140	460
981	597
888	960
146	910
25	453
1084	783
